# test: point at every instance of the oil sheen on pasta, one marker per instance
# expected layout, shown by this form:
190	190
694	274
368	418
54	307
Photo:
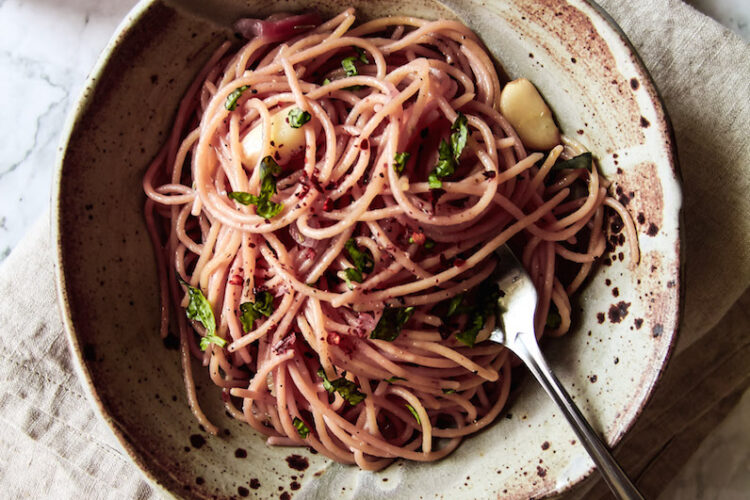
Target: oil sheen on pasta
330	197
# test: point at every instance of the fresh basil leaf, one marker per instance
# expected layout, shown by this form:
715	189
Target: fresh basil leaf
362	55
231	102
349	67
414	412
429	244
362	259
269	209
433	181
351	274
243	198
346	388
460	136
454	304
326	81
391	322
298	117
469	335
449	391
302	429
553	320
393	379
400	160
584	160
268	168
487	294
212	339
199	309
250	311
446	162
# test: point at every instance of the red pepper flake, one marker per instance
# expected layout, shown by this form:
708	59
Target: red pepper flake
418	237
489	174
458	262
328	204
364	144
334	338
236	280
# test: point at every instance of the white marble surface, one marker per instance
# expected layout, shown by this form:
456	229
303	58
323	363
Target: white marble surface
47	48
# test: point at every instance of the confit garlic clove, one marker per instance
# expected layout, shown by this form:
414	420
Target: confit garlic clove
286	142
529	115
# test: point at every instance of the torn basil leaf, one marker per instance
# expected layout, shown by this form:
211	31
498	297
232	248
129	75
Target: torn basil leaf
243	198
362	55
298	117
433	181
346	388
362	259
199	309
391	322
400	160
454	304
349	67
459	136
250	311
302	429
351	274
231	102
584	160
264	207
414	412
393	379
449	391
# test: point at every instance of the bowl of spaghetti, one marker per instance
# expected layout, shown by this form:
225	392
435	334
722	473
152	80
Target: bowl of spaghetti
294	209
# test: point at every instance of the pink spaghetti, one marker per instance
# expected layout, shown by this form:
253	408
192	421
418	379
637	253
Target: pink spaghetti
326	210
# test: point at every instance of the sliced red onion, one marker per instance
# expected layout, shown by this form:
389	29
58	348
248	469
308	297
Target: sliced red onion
277	27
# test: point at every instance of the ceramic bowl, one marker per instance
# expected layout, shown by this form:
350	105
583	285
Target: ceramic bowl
625	319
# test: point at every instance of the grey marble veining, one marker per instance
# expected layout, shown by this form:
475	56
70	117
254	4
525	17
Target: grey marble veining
46	50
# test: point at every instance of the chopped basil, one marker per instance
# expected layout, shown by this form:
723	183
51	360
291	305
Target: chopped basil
326	81
429	244
199	309
346	388
414	412
449	391
485	306
298	117
391	322
302	429
433	181
454	304
250	311
231	102
469	335
399	161
349	67
393	379
263	204
446	162
460	136
211	339
362	55
243	197
351	274
584	160
553	319
362	259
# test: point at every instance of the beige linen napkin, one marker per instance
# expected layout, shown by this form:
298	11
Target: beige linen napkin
53	442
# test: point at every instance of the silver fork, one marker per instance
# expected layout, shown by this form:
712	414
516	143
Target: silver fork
515	331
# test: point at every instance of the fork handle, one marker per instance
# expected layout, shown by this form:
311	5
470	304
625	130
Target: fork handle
528	350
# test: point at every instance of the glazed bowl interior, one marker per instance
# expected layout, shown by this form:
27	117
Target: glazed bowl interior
625	318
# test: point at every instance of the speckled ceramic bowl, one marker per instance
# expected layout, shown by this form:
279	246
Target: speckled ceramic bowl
625	319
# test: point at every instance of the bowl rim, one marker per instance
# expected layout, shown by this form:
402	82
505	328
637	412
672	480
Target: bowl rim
80	107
